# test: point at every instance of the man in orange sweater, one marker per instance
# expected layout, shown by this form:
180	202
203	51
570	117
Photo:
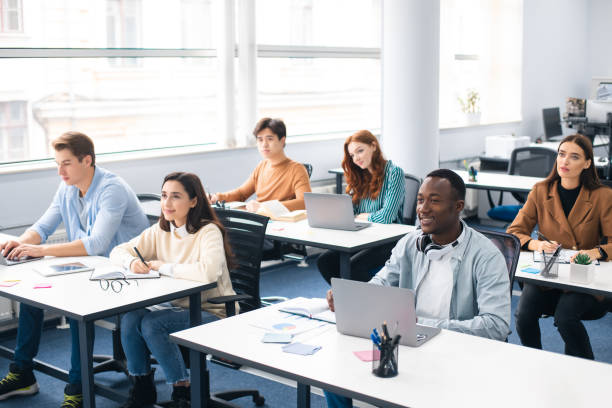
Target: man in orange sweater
277	177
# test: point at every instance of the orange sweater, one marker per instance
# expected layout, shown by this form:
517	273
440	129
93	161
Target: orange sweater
286	182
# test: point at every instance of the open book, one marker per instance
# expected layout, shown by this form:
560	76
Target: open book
565	255
313	308
278	212
116	272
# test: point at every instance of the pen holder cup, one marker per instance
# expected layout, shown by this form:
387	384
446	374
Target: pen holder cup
384	362
553	270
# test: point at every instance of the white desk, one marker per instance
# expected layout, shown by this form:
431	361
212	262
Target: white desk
601	285
499	181
345	242
451	370
79	298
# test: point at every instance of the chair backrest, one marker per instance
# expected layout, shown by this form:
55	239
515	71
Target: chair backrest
308	168
510	247
605	182
533	161
246	232
413	184
151	205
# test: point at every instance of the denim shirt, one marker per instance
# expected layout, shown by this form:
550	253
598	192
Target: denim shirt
114	214
480	300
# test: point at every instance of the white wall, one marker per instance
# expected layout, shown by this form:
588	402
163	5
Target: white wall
565	43
600	38
26	195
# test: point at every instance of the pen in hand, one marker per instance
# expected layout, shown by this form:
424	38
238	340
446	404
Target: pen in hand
141	258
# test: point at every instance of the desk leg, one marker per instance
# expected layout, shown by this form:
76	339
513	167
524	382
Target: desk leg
345	265
200	391
339	183
86	351
303	395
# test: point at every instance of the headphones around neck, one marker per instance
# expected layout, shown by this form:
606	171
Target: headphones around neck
433	251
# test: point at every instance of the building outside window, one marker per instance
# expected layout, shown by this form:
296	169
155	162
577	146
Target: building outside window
11	20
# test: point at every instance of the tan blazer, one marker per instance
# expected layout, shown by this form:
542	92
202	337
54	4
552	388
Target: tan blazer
587	223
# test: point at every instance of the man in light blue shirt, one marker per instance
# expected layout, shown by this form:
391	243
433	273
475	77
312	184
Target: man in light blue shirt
459	276
99	211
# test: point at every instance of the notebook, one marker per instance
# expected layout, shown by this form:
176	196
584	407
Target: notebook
361	307
110	272
334	211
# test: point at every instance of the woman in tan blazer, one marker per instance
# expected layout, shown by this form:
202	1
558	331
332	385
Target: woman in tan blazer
572	209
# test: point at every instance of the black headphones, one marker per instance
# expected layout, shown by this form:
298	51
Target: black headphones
433	251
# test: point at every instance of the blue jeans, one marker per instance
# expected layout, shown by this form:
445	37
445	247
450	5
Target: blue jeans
145	332
29	331
337	401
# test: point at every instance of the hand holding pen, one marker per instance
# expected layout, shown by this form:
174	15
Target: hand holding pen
141	266
546	245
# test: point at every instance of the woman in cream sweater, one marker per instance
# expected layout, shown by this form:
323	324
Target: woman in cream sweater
188	242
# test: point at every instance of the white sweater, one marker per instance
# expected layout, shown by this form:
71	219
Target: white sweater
199	257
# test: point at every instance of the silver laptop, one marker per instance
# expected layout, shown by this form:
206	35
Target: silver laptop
23	259
361	307
334	211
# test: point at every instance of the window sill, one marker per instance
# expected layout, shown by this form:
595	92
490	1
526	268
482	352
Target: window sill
47	164
481	125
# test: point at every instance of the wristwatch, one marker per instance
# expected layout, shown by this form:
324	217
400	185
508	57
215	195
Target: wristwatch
602	253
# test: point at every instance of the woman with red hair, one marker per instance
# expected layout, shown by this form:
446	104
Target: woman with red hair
377	188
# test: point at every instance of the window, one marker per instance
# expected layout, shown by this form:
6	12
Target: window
481	55
13	130
126	94
11	16
319	73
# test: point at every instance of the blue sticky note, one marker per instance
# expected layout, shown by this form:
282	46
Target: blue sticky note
301	349
530	270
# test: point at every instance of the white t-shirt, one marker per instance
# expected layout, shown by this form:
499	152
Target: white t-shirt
436	288
434	293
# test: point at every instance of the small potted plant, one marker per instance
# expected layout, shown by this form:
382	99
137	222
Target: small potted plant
470	106
581	269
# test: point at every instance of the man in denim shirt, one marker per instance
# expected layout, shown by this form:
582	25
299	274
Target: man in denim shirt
99	211
460	277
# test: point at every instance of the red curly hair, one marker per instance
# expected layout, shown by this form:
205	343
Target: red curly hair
360	183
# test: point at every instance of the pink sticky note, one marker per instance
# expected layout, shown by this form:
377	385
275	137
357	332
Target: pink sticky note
42	286
367	355
8	284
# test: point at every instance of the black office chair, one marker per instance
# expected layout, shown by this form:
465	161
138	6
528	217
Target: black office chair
413	184
151	205
246	232
117	362
510	247
533	161
607	183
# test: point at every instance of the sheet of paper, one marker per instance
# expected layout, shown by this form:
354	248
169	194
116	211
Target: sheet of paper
301	349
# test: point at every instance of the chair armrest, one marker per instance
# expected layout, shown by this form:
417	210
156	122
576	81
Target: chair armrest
226	299
230	302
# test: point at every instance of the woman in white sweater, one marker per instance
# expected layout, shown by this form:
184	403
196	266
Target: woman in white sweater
188	242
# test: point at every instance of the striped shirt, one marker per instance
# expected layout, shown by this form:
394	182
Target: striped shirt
388	206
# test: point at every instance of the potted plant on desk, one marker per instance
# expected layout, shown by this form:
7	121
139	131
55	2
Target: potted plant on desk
470	106
581	270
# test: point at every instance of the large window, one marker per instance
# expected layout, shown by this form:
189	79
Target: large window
154	74
481	59
324	75
10	16
125	72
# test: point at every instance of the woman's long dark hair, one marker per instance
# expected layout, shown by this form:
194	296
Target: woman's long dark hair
588	177
200	215
360	183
